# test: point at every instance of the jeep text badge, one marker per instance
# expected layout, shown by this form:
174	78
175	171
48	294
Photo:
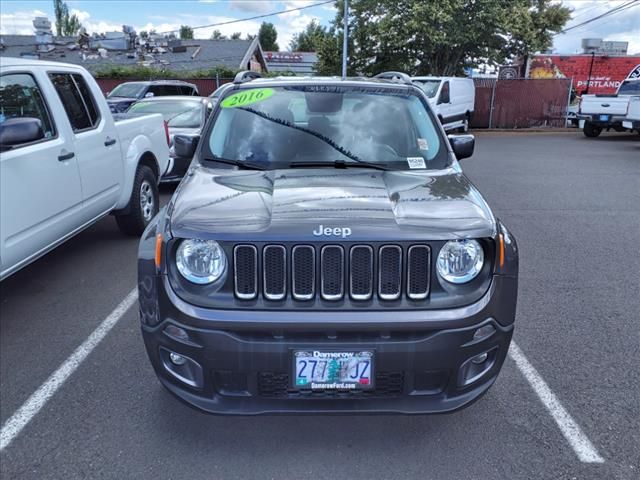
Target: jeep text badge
343	232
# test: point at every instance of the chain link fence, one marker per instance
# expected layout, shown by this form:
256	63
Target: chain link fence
521	103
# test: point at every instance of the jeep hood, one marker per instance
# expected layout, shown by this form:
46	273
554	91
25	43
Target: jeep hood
290	204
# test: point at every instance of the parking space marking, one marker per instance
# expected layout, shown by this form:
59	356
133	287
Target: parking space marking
29	409
579	442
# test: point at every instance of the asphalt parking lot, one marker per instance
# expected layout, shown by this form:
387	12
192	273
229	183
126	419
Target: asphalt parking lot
573	204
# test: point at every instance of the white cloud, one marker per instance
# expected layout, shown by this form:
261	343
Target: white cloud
252	6
622	26
19	23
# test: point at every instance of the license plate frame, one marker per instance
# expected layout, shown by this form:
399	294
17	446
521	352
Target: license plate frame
364	376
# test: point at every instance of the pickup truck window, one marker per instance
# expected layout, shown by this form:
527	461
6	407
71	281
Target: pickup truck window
289	126
20	97
77	100
629	88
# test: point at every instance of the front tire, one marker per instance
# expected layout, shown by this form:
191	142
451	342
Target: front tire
144	203
590	130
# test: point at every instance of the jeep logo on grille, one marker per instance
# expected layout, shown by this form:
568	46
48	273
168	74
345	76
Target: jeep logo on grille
343	232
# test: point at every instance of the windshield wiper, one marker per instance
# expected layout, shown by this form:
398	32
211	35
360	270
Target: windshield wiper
318	135
339	164
237	163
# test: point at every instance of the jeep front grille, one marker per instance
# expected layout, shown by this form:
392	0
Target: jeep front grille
332	272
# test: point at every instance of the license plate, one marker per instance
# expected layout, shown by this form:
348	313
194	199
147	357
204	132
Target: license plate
324	370
604	118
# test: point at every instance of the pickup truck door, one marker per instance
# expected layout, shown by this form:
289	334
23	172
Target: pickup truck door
96	141
40	191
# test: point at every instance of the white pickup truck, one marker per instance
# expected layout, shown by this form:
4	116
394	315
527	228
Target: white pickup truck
606	111
65	162
632	120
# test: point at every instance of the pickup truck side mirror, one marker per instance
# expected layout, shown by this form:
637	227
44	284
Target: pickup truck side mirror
462	145
19	130
185	145
148	95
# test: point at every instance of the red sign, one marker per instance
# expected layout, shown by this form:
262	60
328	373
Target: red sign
606	75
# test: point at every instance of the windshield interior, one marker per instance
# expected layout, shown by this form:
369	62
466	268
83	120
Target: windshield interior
430	87
280	126
127	90
177	114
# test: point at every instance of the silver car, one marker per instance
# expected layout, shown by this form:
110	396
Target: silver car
183	116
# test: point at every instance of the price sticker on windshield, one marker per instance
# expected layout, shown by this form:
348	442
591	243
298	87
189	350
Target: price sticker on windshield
247	97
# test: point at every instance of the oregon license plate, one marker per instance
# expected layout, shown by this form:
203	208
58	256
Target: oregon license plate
604	118
331	370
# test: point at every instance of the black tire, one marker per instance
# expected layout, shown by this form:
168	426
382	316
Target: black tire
143	205
590	130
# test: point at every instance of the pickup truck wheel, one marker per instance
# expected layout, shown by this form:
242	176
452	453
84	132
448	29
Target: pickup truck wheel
590	130
143	205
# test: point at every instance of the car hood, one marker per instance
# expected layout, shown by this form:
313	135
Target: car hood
292	204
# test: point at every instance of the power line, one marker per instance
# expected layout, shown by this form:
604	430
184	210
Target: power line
619	8
254	18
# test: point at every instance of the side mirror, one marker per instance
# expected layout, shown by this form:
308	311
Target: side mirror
19	130
462	145
185	145
148	95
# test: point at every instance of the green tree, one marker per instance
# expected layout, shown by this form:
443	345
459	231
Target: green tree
236	36
443	37
268	37
310	39
67	24
186	32
217	35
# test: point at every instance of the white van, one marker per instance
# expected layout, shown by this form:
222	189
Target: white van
451	98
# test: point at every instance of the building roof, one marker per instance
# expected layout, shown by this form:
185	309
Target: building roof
198	55
300	63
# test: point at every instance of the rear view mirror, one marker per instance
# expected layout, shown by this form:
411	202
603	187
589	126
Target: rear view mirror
20	130
185	145
462	145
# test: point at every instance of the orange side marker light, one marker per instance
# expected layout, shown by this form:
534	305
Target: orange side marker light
501	249
158	250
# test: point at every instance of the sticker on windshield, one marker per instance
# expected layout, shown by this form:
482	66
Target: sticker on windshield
247	97
416	162
422	144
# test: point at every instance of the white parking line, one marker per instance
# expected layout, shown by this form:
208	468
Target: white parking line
581	445
29	409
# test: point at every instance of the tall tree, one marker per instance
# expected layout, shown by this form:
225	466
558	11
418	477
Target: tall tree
310	39
268	37
236	35
443	37
67	24
217	35
186	32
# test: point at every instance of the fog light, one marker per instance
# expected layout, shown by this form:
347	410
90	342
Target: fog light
177	359
484	332
479	359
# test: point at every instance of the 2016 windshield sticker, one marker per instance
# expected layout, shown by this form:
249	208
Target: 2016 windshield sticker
422	144
416	162
247	97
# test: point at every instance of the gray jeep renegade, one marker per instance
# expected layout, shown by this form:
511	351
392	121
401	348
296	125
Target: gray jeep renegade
325	253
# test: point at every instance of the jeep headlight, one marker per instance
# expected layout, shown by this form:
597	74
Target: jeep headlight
201	261
460	261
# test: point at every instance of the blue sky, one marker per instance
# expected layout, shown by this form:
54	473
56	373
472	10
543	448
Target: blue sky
164	15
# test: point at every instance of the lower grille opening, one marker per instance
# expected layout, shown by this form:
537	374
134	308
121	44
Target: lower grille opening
277	385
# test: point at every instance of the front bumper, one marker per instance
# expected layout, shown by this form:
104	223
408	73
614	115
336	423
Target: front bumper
242	366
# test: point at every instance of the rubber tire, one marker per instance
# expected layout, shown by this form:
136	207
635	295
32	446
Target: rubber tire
590	130
134	222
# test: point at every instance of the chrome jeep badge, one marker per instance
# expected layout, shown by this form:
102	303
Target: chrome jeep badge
343	232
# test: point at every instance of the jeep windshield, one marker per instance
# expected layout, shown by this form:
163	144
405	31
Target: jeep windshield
326	125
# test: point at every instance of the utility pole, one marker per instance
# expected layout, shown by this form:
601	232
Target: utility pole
345	38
